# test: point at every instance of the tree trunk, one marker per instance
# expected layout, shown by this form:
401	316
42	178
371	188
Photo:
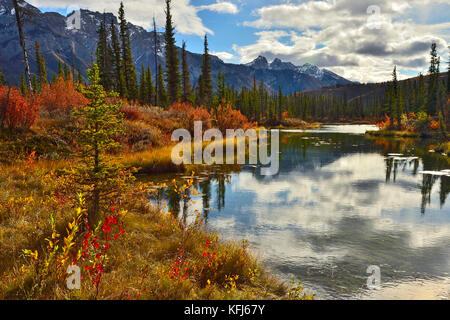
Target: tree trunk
17	10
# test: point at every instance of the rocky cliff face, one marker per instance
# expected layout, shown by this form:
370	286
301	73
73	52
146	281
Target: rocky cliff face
59	41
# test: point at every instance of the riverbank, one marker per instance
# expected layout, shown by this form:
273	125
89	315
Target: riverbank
157	257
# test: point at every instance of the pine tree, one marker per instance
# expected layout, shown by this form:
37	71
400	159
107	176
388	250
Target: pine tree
280	104
172	62
162	95
2	79
433	81
41	68
150	87
60	70
155	53
67	73
186	77
205	83
100	123
116	56
448	73
128	68
143	87
23	86
104	56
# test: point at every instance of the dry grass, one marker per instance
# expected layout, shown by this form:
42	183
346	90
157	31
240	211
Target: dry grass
140	264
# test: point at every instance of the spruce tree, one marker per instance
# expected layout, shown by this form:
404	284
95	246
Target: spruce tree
104	56
172	62
2	79
433	79
129	70
117	70
162	95
100	122
41	68
143	87
60	70
150	88
205	83
155	53
186	77
280	104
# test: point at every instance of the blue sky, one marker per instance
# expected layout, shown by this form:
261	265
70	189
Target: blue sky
339	35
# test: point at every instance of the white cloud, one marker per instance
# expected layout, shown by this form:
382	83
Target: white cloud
220	6
336	35
223	55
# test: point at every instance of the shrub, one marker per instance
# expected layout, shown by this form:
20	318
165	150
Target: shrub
61	95
189	114
227	118
17	111
131	114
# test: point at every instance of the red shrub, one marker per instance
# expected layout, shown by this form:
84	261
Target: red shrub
61	95
131	114
227	118
190	114
17	111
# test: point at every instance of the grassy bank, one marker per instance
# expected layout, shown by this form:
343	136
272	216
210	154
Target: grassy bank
393	134
156	258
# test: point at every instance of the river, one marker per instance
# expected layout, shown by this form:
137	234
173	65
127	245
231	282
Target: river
340	203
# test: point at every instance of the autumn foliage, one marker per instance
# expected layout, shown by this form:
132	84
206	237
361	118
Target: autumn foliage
61	95
228	118
189	114
17	111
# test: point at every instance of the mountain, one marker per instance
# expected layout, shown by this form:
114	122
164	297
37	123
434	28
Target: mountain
59	41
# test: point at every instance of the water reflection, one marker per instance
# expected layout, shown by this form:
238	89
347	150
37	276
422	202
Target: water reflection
340	203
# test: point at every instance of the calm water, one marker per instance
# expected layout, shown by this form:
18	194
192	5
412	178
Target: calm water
340	203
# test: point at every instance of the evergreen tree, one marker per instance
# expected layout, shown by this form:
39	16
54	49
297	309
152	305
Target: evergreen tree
143	87
60	70
23	86
100	123
162	95
2	79
66	72
117	70
186	77
155	53
205	82
172	62
280	104
128	67
41	68
433	80
150	88
104	56
448	72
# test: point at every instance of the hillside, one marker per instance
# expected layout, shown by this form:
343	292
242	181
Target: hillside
77	47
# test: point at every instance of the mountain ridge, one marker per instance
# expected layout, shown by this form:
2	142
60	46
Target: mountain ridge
77	46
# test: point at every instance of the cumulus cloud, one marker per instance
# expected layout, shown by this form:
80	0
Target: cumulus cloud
220	6
361	40
141	12
223	55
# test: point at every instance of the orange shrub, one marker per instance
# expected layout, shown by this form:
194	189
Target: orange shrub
189	114
227	118
434	125
17	111
61	95
131	114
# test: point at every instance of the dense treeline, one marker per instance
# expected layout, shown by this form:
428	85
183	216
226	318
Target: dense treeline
172	82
